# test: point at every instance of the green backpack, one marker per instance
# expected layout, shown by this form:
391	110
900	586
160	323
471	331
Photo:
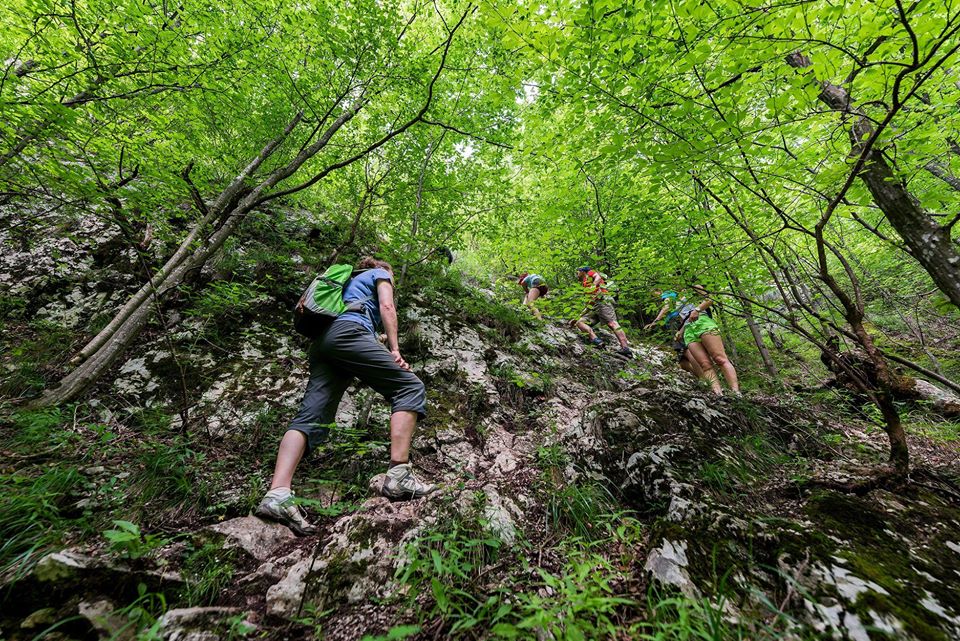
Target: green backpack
322	302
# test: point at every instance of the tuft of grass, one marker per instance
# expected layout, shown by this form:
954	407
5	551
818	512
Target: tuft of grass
166	482
578	508
32	519
207	571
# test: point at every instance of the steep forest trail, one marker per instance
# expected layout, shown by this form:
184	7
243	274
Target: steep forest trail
582	495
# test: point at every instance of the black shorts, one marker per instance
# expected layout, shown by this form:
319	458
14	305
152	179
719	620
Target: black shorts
543	289
346	351
680	348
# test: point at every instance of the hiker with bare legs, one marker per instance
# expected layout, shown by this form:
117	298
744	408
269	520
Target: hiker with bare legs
534	287
342	350
701	334
599	308
674	314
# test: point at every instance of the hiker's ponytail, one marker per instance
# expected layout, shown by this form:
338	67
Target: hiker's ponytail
369	262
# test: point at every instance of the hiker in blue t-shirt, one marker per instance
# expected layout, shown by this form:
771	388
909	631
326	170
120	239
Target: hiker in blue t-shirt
534	287
349	349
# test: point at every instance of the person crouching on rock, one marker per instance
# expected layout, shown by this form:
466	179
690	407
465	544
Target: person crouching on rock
348	349
534	287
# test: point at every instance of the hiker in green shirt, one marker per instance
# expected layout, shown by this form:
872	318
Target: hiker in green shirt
674	314
701	334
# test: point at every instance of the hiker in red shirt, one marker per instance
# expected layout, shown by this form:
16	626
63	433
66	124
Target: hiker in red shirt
599	308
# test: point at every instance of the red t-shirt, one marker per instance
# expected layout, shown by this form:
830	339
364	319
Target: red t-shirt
597	292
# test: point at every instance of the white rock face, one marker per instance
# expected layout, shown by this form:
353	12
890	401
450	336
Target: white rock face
102	617
200	624
668	565
259	539
500	513
64	565
284	598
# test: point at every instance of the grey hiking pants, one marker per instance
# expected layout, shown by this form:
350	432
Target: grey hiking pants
346	351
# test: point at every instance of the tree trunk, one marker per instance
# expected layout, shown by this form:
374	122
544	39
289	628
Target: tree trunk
925	239
884	396
768	363
228	210
899	455
216	212
943	174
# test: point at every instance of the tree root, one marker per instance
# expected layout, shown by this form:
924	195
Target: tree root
885	477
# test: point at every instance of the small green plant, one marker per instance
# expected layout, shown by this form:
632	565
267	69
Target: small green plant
395	633
313	617
127	540
206	572
238	627
226	299
834	440
167	479
580	604
448	563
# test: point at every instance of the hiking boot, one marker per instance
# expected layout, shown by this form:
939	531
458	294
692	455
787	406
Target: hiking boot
401	484
597	342
285	512
625	351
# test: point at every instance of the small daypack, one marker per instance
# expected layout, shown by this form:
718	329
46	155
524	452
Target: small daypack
322	302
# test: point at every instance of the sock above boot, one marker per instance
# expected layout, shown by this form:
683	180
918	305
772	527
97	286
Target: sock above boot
279	493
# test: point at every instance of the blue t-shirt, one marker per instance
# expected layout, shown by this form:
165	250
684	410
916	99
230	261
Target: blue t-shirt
533	280
681	308
364	287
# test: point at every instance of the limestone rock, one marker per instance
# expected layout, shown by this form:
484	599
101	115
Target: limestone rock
39	618
256	537
273	570
500	513
201	624
284	598
102	616
668	565
65	565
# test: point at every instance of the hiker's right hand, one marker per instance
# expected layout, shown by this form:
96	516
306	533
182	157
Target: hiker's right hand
648	326
399	359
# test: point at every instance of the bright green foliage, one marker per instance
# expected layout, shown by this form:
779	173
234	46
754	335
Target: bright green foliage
127	540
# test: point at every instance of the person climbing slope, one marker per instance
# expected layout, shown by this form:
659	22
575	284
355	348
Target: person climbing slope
534	287
599	308
346	349
674	314
701	334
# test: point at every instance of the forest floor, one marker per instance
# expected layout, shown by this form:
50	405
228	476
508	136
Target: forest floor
582	495
545	521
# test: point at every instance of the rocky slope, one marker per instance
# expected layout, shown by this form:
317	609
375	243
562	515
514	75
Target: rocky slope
582	496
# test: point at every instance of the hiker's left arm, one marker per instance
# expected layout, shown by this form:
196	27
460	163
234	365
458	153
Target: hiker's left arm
702	307
388	315
663	312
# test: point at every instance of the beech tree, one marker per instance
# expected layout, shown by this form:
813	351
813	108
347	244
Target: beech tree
334	86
